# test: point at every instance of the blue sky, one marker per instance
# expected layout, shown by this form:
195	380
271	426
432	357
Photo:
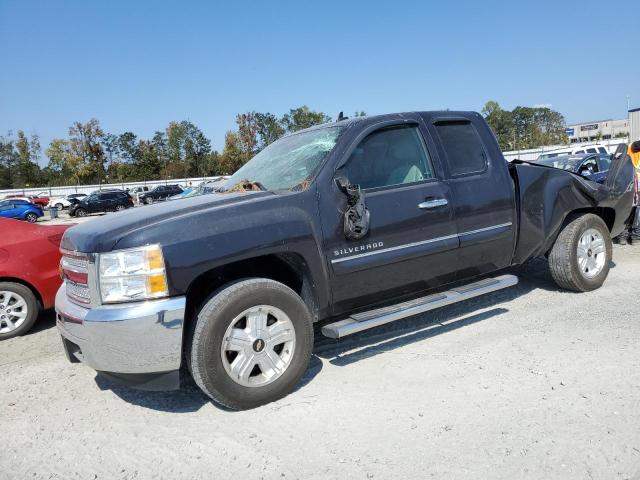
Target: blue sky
138	65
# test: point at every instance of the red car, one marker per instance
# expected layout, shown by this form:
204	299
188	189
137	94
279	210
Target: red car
41	199
29	273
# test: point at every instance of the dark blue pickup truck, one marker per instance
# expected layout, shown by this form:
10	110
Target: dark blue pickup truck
354	224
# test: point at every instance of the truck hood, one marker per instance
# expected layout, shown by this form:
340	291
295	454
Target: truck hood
103	234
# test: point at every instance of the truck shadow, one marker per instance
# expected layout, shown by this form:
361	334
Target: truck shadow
189	398
532	275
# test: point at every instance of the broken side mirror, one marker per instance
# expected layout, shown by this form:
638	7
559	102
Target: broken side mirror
356	215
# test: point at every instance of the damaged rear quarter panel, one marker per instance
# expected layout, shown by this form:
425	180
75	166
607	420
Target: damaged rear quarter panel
547	196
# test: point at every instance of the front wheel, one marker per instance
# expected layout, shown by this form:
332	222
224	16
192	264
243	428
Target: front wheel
251	343
81	212
581	255
18	309
59	206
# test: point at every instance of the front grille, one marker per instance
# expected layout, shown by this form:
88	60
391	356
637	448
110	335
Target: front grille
75	271
77	292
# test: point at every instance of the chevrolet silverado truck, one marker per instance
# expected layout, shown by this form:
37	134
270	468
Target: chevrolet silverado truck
353	224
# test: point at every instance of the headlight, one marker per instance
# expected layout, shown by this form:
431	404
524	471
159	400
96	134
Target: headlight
133	274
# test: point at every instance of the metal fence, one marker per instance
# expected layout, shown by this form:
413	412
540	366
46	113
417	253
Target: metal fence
68	189
534	153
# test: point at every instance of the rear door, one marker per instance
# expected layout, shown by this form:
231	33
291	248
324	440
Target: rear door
412	241
482	193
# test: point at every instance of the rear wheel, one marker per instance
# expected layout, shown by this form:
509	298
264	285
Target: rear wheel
148	200
251	343
59	206
18	309
581	255
31	217
119	208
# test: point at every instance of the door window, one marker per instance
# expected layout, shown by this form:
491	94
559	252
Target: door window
391	156
589	166
463	147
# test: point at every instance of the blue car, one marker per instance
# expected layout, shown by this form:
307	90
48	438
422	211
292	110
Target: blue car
21	210
592	166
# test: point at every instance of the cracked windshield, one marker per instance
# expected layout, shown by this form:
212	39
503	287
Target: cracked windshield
288	164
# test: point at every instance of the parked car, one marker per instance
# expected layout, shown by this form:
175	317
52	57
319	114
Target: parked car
161	192
65	202
352	223
21	210
561	152
103	201
209	186
135	192
593	166
29	273
39	199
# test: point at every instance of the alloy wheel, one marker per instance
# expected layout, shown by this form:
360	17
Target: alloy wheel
13	311
258	346
592	253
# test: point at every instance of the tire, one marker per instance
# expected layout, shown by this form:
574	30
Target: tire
80	212
31	217
15	294
59	206
212	367
119	208
581	255
148	200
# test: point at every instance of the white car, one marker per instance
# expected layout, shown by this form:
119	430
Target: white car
595	148
65	202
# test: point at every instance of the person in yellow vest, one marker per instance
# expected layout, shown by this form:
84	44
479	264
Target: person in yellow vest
634	154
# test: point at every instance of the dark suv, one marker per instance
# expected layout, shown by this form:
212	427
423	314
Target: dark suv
161	192
108	201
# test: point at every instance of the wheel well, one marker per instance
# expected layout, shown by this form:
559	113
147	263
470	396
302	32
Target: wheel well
608	215
288	268
26	284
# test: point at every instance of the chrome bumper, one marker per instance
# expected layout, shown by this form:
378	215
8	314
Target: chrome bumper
130	338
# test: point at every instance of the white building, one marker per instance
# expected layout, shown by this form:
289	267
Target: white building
598	130
634	125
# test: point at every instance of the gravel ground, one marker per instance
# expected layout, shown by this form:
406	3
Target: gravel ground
530	382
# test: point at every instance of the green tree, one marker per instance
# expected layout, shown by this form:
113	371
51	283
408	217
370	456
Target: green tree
303	117
269	129
63	165
8	161
525	127
26	169
232	157
247	134
85	143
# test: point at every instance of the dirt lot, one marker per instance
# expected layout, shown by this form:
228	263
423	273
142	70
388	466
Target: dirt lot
527	383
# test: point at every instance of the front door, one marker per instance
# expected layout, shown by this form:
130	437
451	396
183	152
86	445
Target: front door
412	238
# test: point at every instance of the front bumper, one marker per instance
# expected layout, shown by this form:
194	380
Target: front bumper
131	339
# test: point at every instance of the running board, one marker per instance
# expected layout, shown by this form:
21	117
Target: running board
373	318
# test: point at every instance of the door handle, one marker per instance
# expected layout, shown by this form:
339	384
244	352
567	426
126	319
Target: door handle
433	203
